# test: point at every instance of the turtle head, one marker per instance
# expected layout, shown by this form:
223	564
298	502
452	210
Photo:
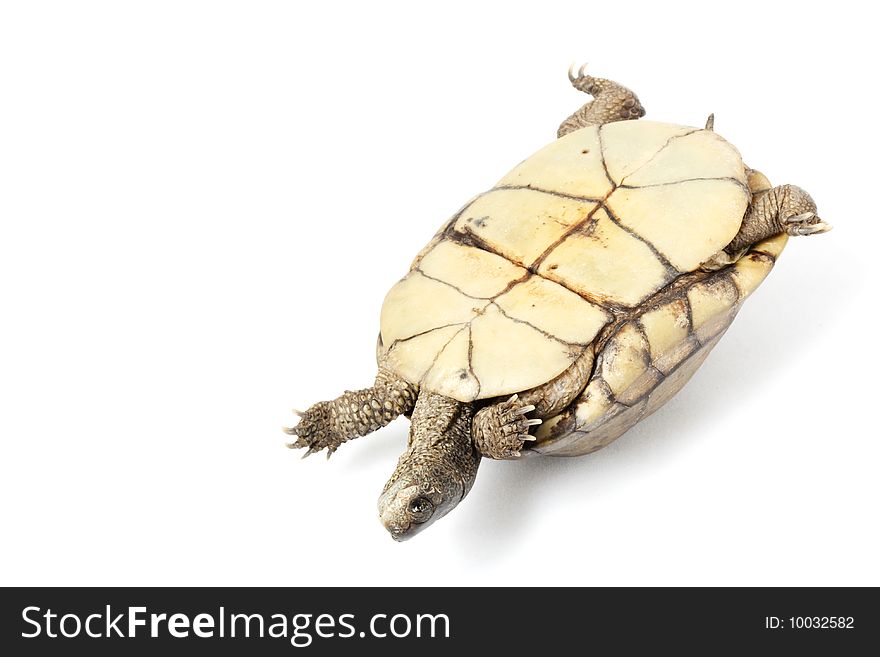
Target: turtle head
436	471
417	496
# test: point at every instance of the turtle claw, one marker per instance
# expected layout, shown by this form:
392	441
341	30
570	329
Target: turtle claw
502	431
296	444
578	78
314	430
806	223
813	229
802	218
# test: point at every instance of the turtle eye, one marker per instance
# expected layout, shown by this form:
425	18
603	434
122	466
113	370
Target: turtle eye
421	509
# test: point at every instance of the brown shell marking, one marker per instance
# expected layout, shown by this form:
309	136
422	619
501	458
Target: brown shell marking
459	296
651	355
509	293
614	212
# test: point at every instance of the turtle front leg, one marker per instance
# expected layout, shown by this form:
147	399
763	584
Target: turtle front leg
500	430
611	102
784	209
328	424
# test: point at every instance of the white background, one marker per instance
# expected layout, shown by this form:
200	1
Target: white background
204	203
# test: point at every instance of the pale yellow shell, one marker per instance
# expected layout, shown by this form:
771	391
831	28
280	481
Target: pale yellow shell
525	276
652	355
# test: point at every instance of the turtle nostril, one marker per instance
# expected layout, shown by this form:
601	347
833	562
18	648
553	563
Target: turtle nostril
398	533
395	528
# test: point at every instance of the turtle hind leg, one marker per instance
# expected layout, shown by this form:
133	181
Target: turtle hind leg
611	102
784	209
328	424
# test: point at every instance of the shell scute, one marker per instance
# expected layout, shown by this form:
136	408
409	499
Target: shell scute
526	275
467	310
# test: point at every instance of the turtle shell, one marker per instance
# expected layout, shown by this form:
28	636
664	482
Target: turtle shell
649	356
522	279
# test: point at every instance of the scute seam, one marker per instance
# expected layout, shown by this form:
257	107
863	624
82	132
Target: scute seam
440	353
419	270
573	197
532	326
470	357
468	237
420	334
617	314
604	161
574	228
657	152
671	270
738	183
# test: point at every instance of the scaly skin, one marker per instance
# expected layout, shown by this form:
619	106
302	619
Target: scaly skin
448	438
783	209
611	102
501	430
328	424
436	471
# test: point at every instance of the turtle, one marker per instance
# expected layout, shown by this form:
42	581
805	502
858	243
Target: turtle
556	310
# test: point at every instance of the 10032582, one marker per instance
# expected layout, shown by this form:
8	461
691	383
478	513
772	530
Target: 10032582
810	622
